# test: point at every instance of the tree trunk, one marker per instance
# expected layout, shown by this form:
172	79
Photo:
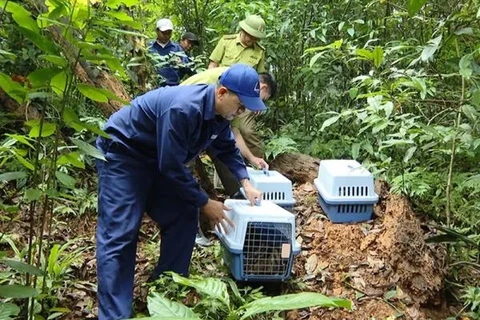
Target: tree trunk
297	167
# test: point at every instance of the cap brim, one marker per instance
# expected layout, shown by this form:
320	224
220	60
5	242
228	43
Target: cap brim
252	103
255	33
193	41
165	29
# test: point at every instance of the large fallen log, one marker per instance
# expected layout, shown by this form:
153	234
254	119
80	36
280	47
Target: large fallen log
299	168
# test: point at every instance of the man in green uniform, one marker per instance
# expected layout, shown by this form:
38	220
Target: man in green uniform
242	47
244	131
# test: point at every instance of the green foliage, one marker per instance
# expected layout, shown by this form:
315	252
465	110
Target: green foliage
279	145
472	301
230	304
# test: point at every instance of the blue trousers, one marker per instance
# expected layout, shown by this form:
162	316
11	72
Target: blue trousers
129	186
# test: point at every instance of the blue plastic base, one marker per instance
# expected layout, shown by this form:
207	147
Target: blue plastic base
346	213
235	263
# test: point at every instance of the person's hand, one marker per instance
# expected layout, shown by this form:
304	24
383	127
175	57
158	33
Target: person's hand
253	195
214	212
259	163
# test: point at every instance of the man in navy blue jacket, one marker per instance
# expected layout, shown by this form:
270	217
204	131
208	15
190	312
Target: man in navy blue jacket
151	141
171	61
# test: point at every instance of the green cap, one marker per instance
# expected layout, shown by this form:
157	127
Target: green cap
254	26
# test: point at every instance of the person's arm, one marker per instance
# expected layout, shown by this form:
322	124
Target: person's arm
174	129
217	54
261	63
212	65
245	151
224	148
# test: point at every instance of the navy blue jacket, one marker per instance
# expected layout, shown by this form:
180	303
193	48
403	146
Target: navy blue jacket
172	126
170	72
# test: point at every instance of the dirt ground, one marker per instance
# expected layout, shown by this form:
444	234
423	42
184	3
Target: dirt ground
384	265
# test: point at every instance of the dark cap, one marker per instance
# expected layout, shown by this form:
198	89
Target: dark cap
190	37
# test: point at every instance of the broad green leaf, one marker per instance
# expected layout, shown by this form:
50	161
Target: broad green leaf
21	16
470	112
413	6
92	92
71	119
22	267
88	149
59	83
476	98
72	158
388	108
329	122
14	89
119	15
293	301
56	60
334	45
65	179
115	3
355	150
351	31
431	48
465	66
314	59
42	77
409	154
162	307
14	175
95	129
44	44
364	53
8	310
212	287
368	147
27	164
47	130
353	92
377	54
17	291
33	194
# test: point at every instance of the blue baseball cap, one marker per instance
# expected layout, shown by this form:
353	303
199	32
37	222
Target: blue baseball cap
243	80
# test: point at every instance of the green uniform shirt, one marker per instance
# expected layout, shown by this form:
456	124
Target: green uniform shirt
230	50
209	76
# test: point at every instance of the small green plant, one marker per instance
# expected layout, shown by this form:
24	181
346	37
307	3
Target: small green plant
472	302
222	299
279	145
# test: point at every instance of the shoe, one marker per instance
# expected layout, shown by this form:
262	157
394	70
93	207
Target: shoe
201	240
238	195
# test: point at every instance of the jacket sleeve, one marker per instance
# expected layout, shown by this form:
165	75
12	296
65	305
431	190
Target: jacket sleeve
261	63
224	148
174	128
218	52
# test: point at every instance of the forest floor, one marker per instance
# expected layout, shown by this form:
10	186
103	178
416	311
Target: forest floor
384	265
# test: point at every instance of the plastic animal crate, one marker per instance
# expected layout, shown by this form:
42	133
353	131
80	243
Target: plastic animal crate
346	191
262	245
274	186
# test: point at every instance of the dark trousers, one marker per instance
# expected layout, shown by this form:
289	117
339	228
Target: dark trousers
129	186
